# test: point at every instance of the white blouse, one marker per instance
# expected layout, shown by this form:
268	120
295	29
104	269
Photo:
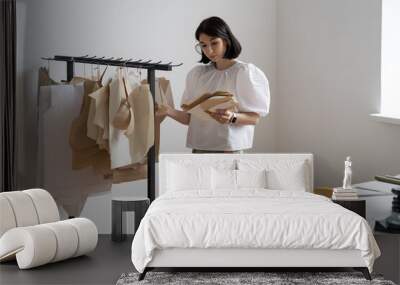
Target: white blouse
250	87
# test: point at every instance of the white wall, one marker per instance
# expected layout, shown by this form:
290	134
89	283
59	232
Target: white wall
328	76
155	29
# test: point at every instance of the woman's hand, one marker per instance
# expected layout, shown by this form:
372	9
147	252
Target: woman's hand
222	116
163	111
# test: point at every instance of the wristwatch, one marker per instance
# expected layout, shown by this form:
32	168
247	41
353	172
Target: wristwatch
234	118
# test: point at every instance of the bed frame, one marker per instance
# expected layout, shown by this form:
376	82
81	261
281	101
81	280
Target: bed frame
239	260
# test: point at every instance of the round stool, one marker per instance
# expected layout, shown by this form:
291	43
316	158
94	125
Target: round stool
139	205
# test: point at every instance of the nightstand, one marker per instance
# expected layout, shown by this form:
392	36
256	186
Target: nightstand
357	206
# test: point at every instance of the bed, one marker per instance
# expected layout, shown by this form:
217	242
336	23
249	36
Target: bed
247	211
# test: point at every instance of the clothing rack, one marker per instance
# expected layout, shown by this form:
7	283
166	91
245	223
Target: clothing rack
151	67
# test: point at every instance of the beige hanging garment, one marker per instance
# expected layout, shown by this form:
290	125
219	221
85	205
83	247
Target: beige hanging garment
78	135
102	165
84	149
141	140
163	96
166	94
93	131
97	126
100	99
163	93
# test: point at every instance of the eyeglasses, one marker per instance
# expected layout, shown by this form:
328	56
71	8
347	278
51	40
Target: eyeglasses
198	48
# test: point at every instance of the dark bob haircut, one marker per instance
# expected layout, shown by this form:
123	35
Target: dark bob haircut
216	27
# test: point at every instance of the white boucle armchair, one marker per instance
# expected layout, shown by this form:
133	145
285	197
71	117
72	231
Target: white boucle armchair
32	233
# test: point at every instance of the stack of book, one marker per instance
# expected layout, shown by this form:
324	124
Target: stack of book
340	193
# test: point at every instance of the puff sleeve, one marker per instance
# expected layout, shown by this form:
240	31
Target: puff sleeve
190	85
252	90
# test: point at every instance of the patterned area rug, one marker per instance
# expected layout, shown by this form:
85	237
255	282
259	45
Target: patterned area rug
243	278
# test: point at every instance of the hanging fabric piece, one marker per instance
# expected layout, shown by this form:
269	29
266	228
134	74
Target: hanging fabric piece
142	138
100	101
78	136
163	96
84	149
163	93
92	130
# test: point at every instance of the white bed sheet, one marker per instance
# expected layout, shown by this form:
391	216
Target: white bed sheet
250	218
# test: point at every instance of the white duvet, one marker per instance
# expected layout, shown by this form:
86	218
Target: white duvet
250	218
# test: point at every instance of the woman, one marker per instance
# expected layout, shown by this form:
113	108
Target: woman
229	131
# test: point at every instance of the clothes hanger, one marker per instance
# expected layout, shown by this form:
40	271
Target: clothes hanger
125	91
102	74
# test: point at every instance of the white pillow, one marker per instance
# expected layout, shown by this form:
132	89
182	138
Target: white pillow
224	179
229	179
251	178
181	177
288	179
282	174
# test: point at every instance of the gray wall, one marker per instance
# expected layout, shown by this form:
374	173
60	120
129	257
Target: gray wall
328	77
160	30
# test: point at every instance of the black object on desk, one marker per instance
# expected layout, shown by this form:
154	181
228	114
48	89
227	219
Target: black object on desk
120	205
357	206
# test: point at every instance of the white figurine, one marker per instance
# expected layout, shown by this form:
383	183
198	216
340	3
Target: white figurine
347	174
